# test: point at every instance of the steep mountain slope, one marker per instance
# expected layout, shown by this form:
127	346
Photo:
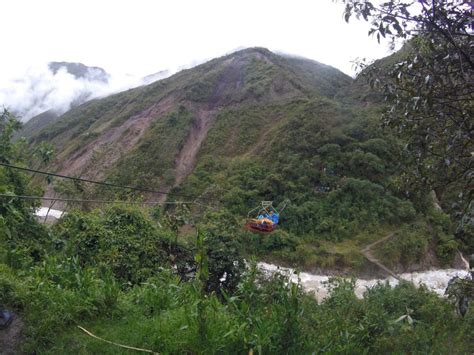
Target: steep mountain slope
87	83
53	99
321	76
96	136
37	123
247	127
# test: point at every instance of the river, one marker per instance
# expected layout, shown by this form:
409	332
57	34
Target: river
435	280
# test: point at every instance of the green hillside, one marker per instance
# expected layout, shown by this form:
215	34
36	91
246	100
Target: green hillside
255	126
36	124
182	278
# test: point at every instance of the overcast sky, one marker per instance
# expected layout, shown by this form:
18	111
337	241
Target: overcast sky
134	38
145	36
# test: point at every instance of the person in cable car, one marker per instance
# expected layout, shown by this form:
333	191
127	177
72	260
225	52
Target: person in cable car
265	222
274	217
269	218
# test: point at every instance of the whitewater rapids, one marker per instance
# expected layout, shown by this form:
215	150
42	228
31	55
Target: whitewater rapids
435	280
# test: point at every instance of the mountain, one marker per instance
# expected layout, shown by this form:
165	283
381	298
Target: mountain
54	87
194	97
37	123
87	83
49	92
247	127
80	71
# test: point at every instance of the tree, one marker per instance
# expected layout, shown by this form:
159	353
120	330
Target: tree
8	125
17	221
429	90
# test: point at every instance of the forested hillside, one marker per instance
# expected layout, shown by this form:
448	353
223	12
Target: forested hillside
132	281
255	126
371	176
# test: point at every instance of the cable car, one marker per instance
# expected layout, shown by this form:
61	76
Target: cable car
264	218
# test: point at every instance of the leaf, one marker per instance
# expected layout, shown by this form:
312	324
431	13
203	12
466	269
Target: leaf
347	16
229	333
397	28
8	233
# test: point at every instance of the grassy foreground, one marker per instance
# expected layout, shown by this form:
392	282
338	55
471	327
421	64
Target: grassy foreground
263	315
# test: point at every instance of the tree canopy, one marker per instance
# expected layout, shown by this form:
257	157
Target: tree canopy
429	90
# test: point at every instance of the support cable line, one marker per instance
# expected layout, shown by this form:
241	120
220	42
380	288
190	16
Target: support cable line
72	200
103	183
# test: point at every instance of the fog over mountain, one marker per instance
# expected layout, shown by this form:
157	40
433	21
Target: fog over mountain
58	86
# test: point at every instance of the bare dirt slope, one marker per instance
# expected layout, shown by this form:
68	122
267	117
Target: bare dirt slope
115	142
186	158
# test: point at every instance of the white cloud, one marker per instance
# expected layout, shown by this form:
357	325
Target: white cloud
146	36
38	89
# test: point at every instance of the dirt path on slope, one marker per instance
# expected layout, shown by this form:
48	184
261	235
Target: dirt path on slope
10	338
369	256
186	159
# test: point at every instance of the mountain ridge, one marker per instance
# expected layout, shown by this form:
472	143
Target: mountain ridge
80	71
268	77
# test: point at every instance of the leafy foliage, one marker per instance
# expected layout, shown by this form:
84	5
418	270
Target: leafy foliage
430	93
265	314
121	239
20	234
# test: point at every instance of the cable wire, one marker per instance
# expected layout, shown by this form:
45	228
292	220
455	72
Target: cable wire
24	197
103	183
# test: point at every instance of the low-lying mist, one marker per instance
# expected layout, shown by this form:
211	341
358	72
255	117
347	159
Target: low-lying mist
58	86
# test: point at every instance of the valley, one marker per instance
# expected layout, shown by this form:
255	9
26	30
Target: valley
155	245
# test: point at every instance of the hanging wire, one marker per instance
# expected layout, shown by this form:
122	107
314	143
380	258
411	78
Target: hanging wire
103	183
73	200
70	200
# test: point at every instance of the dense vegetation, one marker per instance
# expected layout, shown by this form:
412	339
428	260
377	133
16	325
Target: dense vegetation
173	278
129	279
335	165
282	129
429	93
264	314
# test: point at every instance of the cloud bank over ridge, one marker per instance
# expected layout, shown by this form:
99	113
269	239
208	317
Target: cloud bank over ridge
58	86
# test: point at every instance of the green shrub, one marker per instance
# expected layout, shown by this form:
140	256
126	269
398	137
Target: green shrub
446	248
61	293
121	238
12	291
408	246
